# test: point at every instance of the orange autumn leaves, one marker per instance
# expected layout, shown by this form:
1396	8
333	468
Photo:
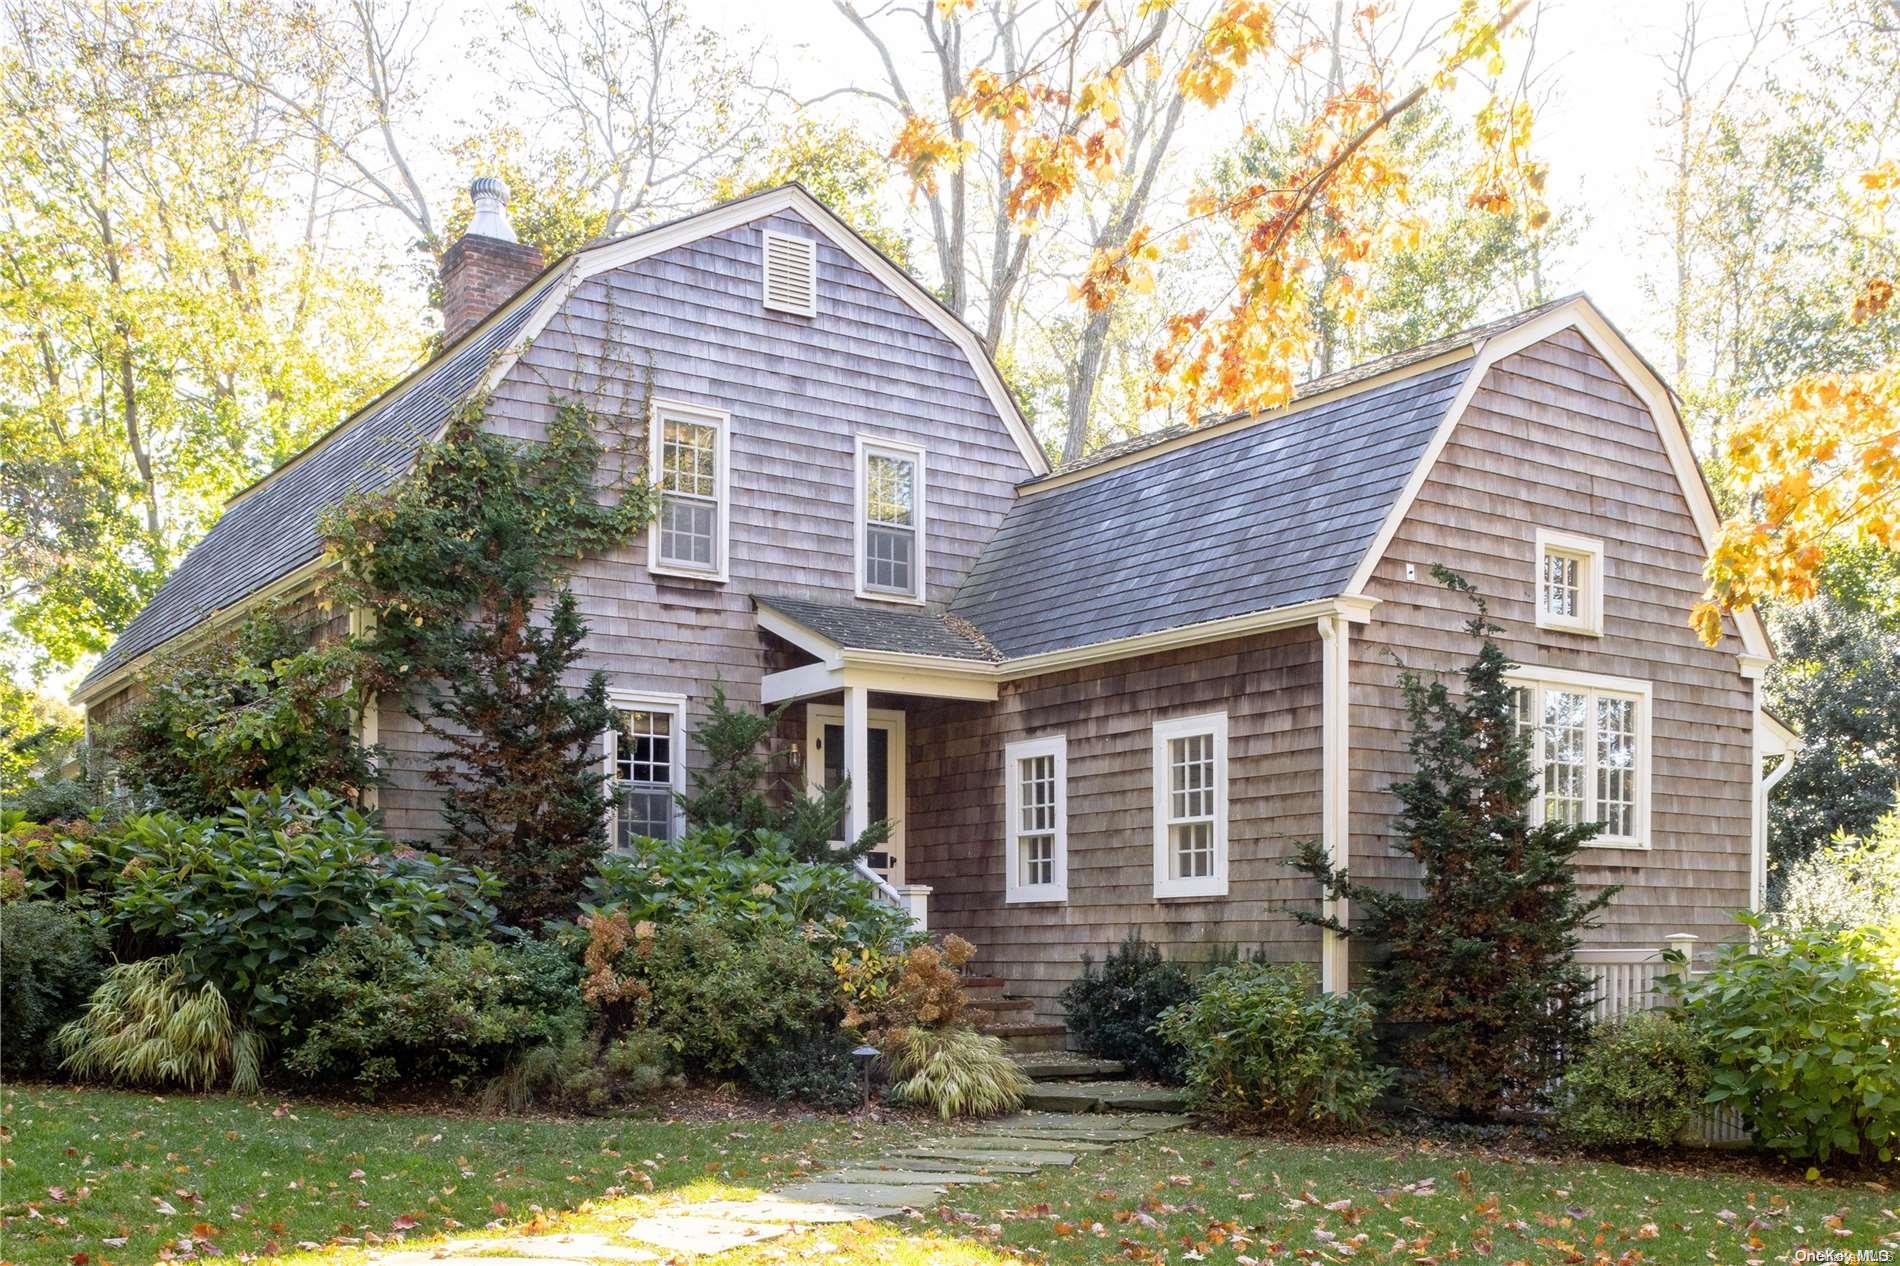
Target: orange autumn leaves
1818	464
1343	198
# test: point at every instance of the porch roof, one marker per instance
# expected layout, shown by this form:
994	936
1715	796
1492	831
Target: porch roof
881	629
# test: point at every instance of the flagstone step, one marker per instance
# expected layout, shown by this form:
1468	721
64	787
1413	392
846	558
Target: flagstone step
998	1009
999	1162
1028	1036
976	988
1103	1096
1063	1065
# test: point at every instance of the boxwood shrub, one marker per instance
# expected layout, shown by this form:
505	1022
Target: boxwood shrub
1638	1081
1112	1010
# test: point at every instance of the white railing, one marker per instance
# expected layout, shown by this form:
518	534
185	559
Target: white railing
912	899
1625	982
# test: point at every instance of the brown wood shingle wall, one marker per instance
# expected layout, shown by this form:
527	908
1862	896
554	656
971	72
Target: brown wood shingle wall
1554	439
1269	686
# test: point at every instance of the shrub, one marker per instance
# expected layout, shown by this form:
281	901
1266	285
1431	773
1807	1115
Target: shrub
50	961
898	989
250	896
1638	1081
584	1074
57	800
78	862
1262	1045
955	1072
375	1008
815	1068
1112	1011
1803	1027
147	1024
267	708
711	871
723	992
1845	883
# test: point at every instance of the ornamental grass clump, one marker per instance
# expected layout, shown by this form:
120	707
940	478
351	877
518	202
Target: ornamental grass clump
148	1025
956	1072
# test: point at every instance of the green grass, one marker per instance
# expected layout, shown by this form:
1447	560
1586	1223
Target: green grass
237	1167
84	1169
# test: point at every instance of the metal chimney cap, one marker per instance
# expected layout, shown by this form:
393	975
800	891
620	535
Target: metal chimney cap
490	195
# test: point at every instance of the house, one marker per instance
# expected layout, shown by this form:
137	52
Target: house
1104	697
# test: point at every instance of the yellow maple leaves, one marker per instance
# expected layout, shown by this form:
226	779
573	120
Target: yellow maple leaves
1820	464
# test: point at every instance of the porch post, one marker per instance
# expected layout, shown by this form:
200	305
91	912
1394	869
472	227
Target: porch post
1335	636
857	742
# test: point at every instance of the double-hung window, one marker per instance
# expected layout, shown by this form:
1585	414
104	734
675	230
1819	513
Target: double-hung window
890	527
646	767
1190	811
689	472
1589	750
1037	808
1569	583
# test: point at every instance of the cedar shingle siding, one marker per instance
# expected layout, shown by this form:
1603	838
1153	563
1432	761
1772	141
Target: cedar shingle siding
1247	519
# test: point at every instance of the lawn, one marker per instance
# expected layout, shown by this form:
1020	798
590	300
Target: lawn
242	1175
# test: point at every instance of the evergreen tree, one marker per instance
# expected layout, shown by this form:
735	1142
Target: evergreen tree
1479	980
454	560
744	785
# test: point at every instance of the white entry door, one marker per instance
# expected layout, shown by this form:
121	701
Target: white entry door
884	765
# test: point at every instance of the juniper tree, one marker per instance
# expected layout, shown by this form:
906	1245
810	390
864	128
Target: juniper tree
1478	980
464	563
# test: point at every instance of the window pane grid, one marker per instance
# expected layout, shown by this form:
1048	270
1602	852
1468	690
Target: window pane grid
1035	822
891	536
889	495
689	493
1562	586
642	750
887	558
1191	806
1588	753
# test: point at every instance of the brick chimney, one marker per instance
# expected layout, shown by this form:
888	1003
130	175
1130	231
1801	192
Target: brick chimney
486	265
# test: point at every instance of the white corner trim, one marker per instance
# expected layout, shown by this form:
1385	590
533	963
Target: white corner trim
1015	890
1591	577
592	261
1335	788
1581	315
1210	885
864	447
1599	683
721	423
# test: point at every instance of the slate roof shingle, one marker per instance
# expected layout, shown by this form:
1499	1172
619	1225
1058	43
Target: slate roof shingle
272	530
1262	517
881	629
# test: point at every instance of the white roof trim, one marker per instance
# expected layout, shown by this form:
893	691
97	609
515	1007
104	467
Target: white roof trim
598	259
1581	315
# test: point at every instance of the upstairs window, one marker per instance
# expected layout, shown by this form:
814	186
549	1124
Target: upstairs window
1589	751
645	768
1037	811
791	274
890	521
1569	583
689	470
1190	811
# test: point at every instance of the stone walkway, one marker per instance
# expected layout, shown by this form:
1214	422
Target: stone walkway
909	1177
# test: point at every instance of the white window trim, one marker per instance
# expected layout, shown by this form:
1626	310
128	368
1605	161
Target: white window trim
642	701
1595	684
1214	885
810	249
1589	554
656	427
866	446
1014	890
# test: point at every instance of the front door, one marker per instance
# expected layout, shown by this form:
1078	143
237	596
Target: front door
884	766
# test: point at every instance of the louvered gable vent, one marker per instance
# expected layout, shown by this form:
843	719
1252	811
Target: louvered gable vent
791	274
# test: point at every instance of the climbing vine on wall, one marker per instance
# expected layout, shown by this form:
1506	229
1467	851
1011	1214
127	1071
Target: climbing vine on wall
465	565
